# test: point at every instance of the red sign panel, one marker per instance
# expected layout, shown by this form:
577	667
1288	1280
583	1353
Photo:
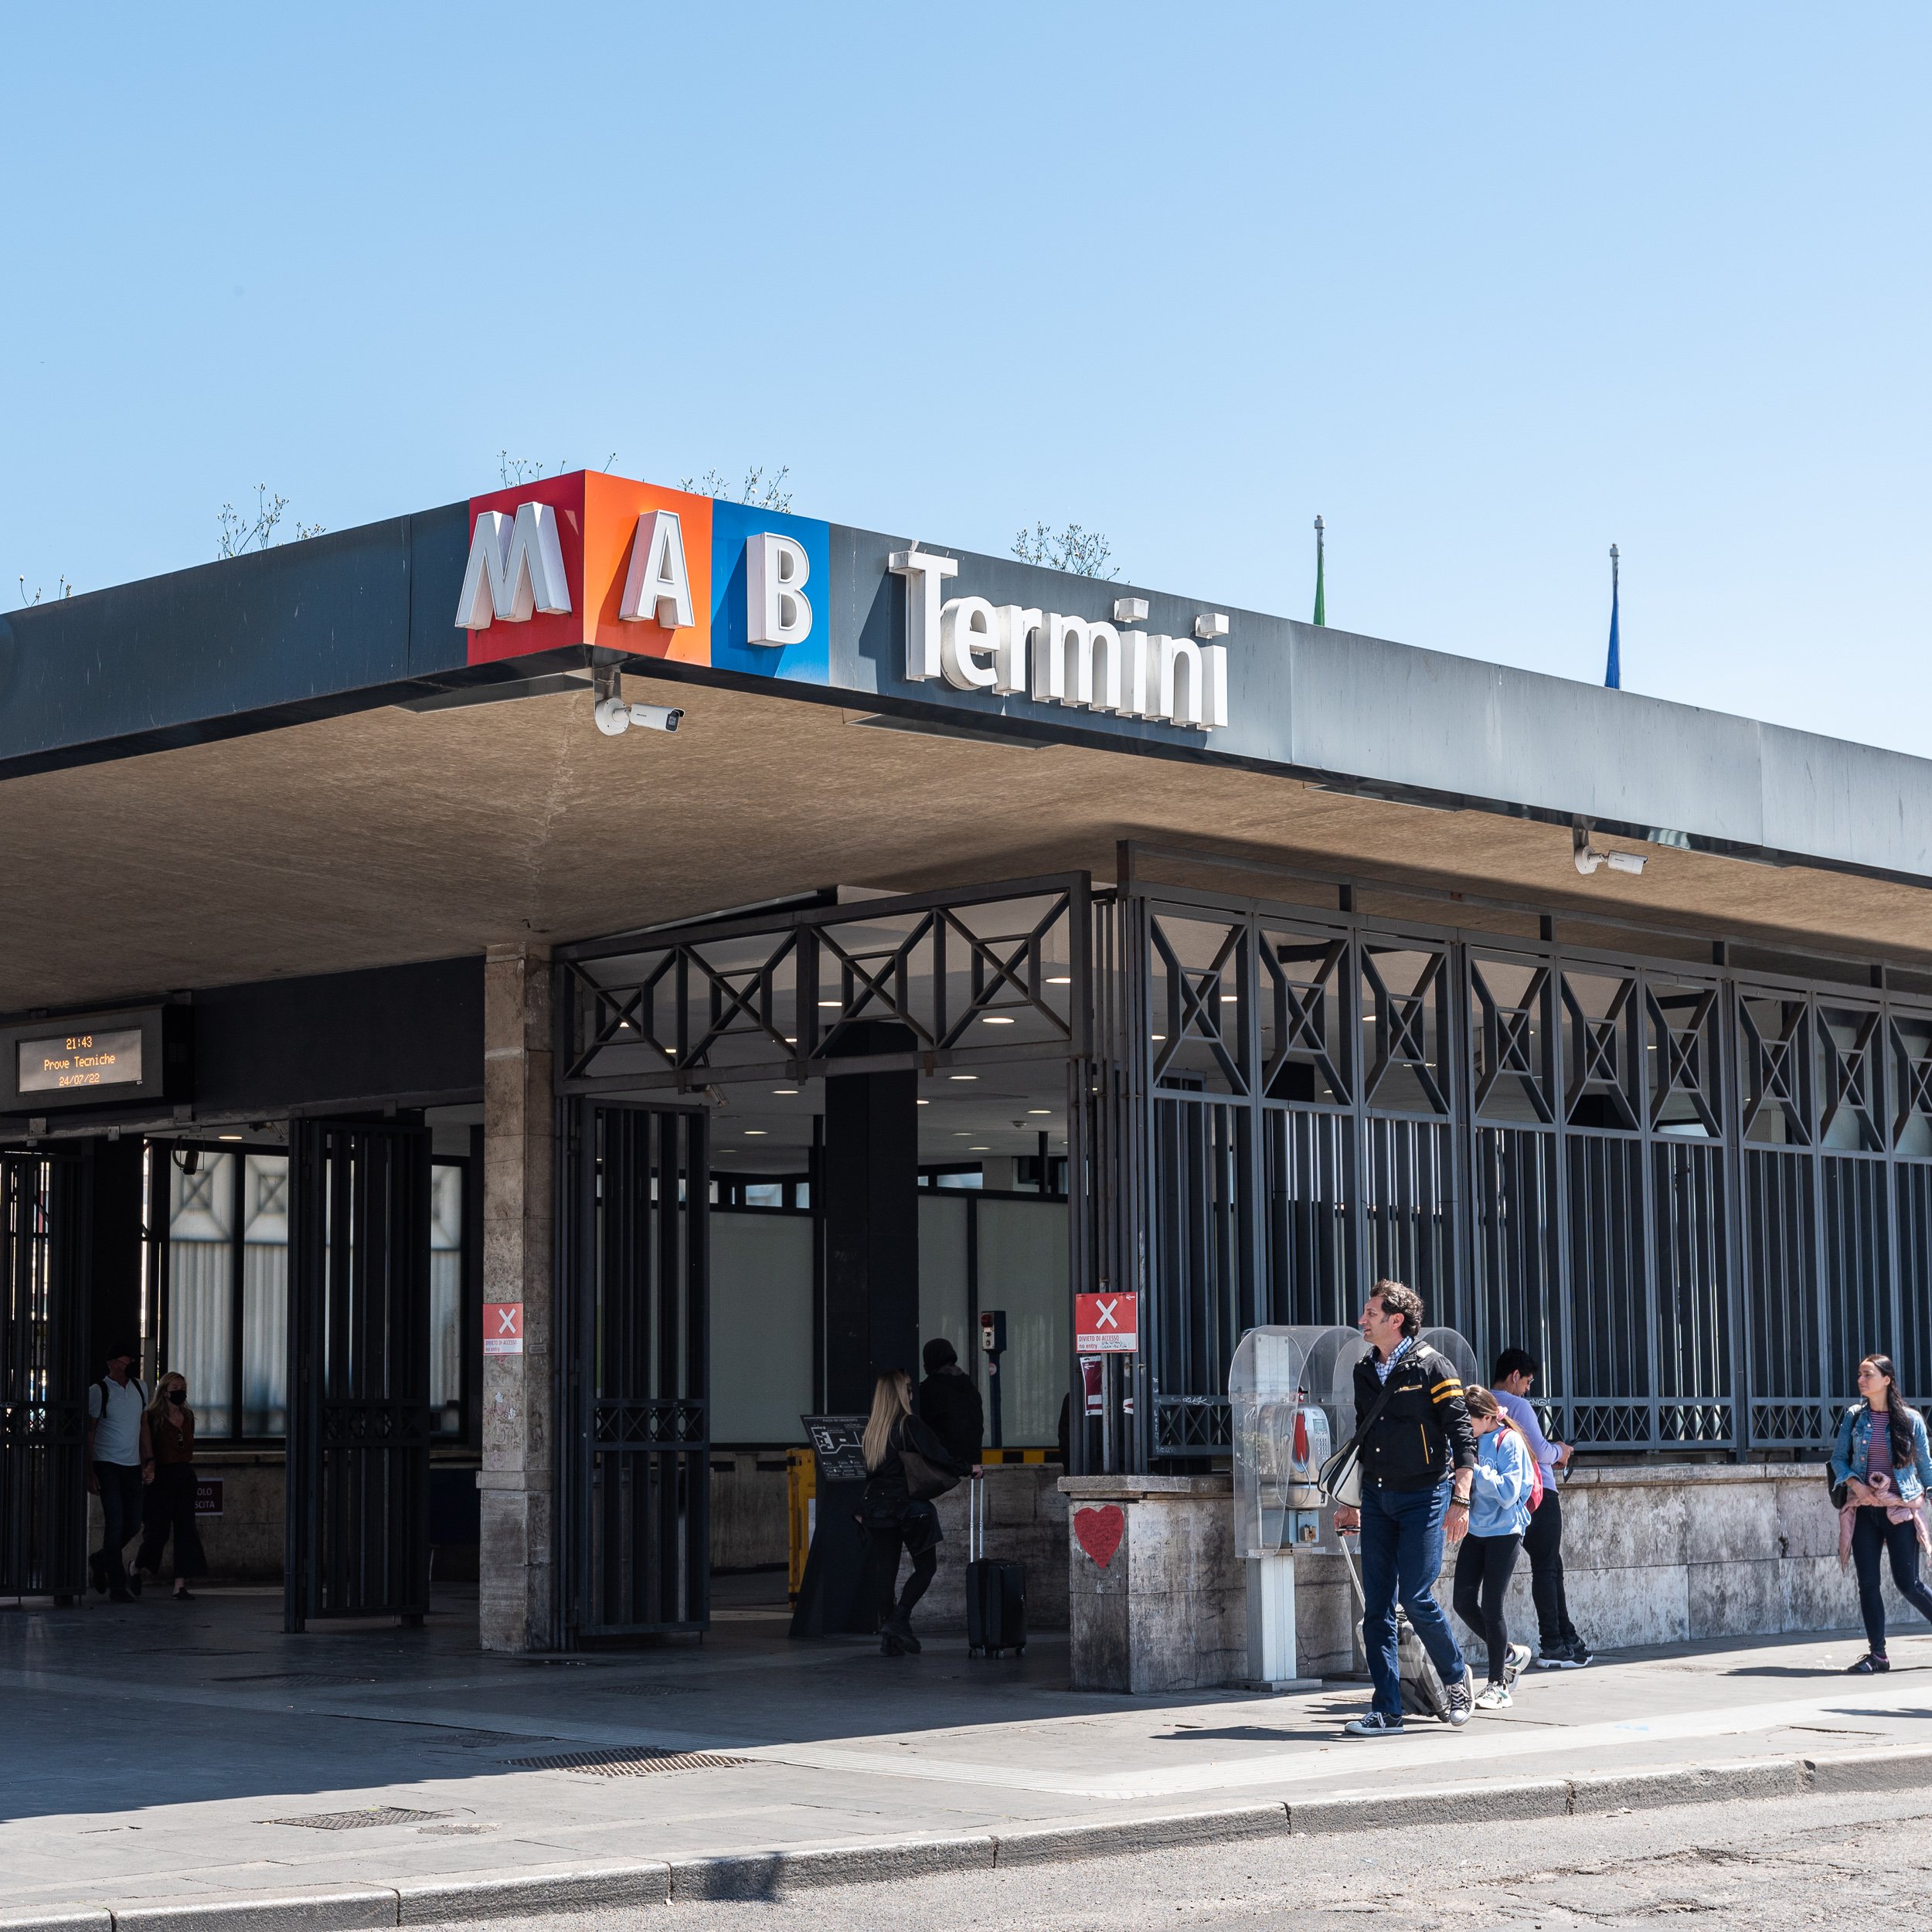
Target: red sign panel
1106	1324
503	1327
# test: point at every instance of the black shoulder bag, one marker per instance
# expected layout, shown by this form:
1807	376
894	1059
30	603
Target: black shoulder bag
1332	1477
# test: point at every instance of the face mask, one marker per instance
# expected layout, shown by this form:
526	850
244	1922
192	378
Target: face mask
178	1396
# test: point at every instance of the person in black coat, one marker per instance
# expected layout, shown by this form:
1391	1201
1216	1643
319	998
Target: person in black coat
893	1519
949	1404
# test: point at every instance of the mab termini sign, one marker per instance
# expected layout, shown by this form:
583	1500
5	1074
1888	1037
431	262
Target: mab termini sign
589	560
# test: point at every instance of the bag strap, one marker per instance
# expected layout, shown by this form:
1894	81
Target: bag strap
1374	1413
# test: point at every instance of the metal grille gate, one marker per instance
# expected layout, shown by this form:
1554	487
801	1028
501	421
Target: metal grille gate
358	1359
43	1374
635	1360
1696	1193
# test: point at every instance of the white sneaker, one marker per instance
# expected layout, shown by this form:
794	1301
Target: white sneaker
1495	1697
1517	1662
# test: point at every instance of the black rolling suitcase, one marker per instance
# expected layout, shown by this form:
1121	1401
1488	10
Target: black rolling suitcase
995	1592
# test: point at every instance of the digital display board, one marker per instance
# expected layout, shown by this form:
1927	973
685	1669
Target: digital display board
73	1060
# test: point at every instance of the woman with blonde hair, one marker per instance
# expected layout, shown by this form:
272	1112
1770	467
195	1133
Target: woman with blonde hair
907	1467
169	1505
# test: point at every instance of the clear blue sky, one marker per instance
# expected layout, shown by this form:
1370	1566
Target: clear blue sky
1489	287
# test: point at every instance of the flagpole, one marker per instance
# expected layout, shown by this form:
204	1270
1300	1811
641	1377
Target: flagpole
1613	668
1321	585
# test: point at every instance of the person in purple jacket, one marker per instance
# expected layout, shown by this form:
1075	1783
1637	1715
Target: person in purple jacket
1558	1646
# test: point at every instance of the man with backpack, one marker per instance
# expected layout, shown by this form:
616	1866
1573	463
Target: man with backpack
1559	1647
121	1458
1417	1459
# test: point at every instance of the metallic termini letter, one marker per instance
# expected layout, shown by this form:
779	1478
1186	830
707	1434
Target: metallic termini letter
923	573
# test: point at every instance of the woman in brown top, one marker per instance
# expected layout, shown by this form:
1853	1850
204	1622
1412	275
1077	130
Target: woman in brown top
170	1502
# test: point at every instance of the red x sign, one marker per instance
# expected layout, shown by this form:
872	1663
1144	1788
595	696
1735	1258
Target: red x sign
503	1327
1106	1324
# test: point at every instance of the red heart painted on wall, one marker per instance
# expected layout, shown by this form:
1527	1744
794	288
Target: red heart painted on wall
1099	1532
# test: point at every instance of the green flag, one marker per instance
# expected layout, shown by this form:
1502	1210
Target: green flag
1320	587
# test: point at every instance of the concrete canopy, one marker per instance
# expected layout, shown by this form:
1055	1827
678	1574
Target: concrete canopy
392	835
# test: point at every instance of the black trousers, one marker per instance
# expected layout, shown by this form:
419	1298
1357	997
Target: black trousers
886	1541
1483	1566
121	1487
1542	1543
1874	1534
170	1508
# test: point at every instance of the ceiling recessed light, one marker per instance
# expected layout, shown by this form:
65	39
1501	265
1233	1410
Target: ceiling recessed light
962	1134
1157	1036
1060	979
962	1077
228	1137
754	1130
836	1005
784	1089
925	1103
791	1040
1228	999
997	1019
979	1150
1040	1109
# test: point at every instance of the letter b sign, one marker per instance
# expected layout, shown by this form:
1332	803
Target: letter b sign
776	568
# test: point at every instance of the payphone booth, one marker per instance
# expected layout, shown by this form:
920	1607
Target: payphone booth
1291	1392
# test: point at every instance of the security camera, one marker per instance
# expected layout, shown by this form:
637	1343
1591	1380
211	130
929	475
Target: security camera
614	717
1588	857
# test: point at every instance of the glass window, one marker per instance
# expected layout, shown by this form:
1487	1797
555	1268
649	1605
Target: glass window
446	1298
199	1338
264	1263
225	1311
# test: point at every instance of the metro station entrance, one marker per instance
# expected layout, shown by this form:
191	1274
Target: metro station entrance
801	1143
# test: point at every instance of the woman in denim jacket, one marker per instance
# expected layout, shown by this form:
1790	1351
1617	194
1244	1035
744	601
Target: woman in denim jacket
1883	1459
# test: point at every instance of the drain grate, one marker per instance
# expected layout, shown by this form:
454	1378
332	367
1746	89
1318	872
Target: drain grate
354	1820
621	1764
293	1677
654	1690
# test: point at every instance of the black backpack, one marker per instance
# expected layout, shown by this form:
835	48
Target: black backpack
106	1382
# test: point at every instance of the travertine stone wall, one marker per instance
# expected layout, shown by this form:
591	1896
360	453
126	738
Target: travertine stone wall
1167	1610
1670	1553
519	1185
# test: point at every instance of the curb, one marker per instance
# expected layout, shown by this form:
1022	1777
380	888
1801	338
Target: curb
767	1875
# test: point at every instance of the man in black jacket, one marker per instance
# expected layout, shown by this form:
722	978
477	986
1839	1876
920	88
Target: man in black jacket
1418	1461
949	1405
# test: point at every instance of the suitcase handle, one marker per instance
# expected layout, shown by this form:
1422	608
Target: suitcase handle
975	1515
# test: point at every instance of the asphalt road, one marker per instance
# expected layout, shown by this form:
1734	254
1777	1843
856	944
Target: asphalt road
1764	1865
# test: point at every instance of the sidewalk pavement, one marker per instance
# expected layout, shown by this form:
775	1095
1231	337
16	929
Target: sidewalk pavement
188	1763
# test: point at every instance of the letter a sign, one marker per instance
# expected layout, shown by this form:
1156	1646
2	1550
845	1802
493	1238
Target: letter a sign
1106	1324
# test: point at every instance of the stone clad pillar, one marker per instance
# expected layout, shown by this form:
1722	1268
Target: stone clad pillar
515	1598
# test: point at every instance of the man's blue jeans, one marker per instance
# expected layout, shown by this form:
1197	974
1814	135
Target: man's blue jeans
1402	1543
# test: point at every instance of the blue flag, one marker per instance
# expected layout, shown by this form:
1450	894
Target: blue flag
1614	670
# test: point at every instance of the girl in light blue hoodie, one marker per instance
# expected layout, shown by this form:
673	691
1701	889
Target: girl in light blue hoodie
1505	1476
